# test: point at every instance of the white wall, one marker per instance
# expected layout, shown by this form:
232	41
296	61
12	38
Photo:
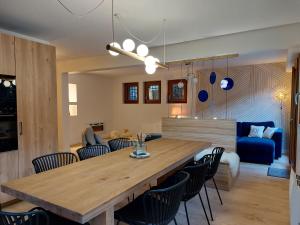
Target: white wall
94	96
145	117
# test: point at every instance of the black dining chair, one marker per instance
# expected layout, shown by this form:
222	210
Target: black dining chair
92	151
34	217
214	162
52	161
157	206
198	172
55	219
119	143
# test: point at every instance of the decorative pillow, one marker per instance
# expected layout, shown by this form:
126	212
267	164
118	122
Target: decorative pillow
268	133
256	131
89	135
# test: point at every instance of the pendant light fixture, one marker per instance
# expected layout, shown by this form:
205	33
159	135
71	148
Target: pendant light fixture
128	47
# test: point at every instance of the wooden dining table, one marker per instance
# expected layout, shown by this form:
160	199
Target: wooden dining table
89	190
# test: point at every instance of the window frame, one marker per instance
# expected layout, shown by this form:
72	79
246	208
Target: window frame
170	91
147	84
126	87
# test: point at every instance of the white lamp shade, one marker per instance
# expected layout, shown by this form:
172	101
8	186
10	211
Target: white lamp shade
150	69
224	84
6	83
128	45
114	44
149	61
142	50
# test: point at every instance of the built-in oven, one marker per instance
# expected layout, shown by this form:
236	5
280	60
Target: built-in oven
8	114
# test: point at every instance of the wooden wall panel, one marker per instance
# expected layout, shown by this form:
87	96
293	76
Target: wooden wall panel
7	57
36	85
219	132
9	170
253	96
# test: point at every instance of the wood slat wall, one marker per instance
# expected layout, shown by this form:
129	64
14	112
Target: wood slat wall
218	132
253	97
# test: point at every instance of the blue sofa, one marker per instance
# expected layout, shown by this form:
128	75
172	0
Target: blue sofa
258	150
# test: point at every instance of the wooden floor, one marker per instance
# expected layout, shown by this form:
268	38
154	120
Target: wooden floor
256	199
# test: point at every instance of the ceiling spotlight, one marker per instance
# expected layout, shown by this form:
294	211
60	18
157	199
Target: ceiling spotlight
6	83
128	45
142	50
116	45
150	69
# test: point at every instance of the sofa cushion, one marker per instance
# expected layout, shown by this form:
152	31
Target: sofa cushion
247	125
256	150
256	131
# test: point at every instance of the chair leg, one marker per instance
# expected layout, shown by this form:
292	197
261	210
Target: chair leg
175	221
211	215
187	215
204	209
217	191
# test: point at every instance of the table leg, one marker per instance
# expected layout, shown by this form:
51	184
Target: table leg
105	218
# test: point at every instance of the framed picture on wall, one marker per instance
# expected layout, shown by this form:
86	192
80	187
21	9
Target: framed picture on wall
152	92
131	93
177	91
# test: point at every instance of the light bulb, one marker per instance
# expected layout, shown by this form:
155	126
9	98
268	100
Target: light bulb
150	69
116	45
6	83
128	45
142	50
14	82
180	84
149	60
224	84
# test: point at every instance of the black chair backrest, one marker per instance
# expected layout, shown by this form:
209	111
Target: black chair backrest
161	205
214	159
92	151
119	143
37	217
198	172
52	161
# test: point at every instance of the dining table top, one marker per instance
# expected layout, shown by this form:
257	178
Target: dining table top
82	190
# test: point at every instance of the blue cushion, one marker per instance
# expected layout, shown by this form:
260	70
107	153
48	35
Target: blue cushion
256	150
239	129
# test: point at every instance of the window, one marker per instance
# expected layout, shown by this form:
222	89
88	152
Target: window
177	91
131	93
73	100
152	92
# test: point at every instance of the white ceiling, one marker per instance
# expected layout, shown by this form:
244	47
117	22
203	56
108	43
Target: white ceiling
186	20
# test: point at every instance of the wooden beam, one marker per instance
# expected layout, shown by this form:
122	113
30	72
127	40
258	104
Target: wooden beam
133	55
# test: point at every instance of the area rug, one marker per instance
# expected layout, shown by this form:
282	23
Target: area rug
279	172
